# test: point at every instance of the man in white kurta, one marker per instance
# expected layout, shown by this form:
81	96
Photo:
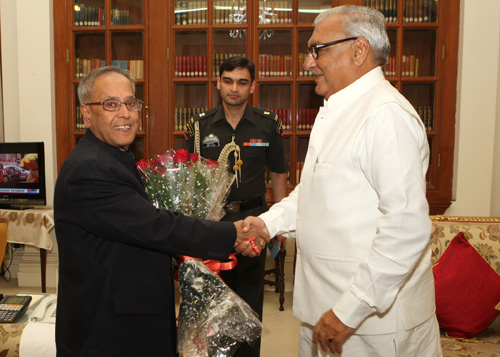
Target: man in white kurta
363	279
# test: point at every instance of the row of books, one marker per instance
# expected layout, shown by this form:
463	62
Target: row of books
302	72
219	58
306	118
225	11
120	17
284	116
279	12
414	10
388	7
190	12
419	11
190	66
183	115
228	12
85	65
85	15
409	66
426	113
275	66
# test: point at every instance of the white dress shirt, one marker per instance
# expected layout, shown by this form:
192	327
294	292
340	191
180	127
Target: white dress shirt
360	214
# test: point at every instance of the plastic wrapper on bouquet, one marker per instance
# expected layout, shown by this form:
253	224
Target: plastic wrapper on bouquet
213	320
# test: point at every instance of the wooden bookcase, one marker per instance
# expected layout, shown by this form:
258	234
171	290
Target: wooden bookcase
181	43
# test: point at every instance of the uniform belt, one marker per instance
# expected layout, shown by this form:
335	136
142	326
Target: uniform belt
240	206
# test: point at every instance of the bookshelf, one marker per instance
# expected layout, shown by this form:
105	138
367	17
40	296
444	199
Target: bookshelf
175	49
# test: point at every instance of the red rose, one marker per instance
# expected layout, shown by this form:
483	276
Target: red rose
142	164
181	156
193	157
211	163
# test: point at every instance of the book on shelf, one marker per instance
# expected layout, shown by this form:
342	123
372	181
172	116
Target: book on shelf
135	67
86	65
219	58
389	8
190	12
85	15
183	115
284	115
190	66
120	17
427	116
281	10
275	65
390	67
301	71
409	66
419	10
306	118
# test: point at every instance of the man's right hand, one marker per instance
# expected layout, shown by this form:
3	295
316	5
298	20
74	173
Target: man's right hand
243	244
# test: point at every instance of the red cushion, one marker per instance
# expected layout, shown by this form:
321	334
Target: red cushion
467	290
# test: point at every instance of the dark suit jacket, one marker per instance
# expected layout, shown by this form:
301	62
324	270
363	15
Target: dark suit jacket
116	292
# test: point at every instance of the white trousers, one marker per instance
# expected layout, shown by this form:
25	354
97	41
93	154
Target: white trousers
421	341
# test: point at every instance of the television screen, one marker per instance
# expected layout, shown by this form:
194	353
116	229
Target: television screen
22	174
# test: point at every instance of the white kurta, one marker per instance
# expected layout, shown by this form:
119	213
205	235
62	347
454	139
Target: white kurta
360	214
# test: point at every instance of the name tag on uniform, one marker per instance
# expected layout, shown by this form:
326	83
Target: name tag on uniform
256	142
211	141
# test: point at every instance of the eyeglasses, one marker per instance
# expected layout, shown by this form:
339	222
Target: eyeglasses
313	50
114	105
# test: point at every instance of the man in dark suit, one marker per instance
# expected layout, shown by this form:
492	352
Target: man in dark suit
116	292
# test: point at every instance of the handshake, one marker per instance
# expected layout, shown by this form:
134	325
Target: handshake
252	236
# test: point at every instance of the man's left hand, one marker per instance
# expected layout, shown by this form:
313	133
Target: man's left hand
331	333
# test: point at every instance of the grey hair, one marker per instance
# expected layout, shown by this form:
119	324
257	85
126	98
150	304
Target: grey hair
86	85
361	21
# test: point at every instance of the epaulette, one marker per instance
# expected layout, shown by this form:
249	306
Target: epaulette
265	113
270	115
206	114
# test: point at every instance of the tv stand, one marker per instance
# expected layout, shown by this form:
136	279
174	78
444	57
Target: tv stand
31	227
16	207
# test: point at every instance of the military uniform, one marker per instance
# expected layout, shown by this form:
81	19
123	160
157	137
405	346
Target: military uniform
258	136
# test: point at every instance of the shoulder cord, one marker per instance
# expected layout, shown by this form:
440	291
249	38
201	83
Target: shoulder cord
224	155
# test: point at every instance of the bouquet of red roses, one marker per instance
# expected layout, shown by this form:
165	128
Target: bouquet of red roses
182	182
213	320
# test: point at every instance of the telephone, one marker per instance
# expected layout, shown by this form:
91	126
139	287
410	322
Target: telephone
12	307
45	311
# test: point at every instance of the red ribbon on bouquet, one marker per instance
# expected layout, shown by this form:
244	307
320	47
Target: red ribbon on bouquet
214	265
